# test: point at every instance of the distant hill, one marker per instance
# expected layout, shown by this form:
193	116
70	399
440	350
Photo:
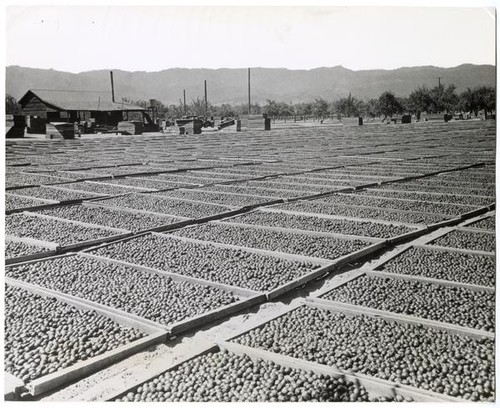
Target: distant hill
230	85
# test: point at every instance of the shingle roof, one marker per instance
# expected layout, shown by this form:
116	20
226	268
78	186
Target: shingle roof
79	100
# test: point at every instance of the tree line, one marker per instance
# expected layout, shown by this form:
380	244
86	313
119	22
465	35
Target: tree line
440	99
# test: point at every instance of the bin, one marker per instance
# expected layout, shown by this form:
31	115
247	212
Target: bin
131	127
60	130
15	126
197	125
267	122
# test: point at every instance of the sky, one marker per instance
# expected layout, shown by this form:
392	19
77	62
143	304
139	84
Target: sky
153	38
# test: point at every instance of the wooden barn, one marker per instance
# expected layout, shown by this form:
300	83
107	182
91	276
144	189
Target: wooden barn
96	111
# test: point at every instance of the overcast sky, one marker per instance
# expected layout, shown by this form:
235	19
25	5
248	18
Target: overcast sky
79	39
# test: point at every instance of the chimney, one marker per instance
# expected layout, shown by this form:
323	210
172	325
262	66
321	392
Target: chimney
112	87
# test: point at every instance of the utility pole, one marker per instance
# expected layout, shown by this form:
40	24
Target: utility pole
439	93
184	101
249	102
206	99
112	87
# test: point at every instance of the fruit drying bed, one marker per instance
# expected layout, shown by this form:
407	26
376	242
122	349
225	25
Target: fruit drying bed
381	238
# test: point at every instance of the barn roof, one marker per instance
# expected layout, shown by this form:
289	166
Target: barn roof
78	100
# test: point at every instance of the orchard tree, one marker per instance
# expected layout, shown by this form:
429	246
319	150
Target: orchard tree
389	105
255	109
468	101
350	106
175	111
303	109
11	105
271	108
443	99
320	108
405	103
419	101
486	98
198	108
371	108
284	109
473	100
225	110
162	111
274	108
141	103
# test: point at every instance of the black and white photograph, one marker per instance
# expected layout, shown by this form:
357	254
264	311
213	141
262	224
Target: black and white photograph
215	202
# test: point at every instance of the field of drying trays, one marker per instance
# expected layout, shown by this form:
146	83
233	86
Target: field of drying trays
315	264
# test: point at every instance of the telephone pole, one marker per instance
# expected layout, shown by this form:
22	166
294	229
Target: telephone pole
249	102
184	101
112	87
206	99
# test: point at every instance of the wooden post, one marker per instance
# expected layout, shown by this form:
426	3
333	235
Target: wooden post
184	101
112	87
249	102
206	99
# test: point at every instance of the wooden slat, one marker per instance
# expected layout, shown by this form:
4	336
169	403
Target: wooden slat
75	222
32	241
375	386
490	214
326	269
348	308
451	249
92	365
155	368
13	386
211	316
476	230
424	279
338	281
117	315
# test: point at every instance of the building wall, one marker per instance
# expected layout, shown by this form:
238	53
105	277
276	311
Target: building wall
35	107
107	118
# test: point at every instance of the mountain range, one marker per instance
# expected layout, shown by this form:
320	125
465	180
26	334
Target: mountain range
230	85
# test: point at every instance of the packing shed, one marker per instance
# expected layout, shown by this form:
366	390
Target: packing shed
95	109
